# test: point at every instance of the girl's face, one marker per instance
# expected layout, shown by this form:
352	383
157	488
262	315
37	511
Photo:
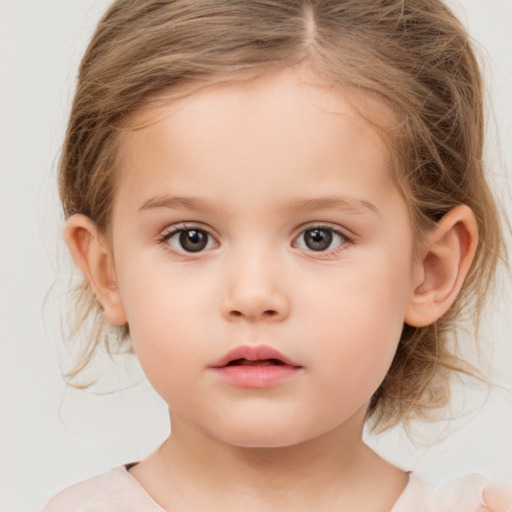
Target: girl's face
262	215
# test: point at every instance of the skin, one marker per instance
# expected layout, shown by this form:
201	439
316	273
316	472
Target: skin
255	166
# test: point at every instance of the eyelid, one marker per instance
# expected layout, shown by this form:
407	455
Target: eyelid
344	232
185	226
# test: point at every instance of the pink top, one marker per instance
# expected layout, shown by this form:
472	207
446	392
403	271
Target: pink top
119	491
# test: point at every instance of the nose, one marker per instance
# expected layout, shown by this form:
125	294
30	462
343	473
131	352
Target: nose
255	291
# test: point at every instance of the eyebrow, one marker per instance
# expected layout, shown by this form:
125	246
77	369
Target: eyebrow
175	203
337	202
296	206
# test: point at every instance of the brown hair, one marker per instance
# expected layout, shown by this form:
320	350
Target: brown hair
412	54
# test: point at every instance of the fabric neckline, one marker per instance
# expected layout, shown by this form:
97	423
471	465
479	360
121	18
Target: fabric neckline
403	504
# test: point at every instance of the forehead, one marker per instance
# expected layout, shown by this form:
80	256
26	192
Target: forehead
281	86
287	128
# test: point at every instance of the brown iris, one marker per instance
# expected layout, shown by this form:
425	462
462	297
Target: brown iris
318	239
193	240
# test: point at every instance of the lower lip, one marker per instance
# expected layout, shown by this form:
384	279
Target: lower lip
262	376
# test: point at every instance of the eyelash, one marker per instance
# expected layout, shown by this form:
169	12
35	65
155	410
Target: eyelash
168	235
344	239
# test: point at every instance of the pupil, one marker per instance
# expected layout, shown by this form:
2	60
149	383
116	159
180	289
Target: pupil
318	239
193	240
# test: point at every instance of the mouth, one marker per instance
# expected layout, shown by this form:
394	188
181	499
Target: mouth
255	367
260	362
259	355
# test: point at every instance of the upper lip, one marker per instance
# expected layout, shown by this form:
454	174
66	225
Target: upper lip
253	353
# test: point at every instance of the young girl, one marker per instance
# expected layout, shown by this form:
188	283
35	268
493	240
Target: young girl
282	206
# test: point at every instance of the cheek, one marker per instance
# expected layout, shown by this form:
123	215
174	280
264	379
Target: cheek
360	321
158	296
163	317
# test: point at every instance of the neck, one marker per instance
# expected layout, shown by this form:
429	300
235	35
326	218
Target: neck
334	468
334	453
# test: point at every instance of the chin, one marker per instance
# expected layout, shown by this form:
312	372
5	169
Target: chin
265	435
263	441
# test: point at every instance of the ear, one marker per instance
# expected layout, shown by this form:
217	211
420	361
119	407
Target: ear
444	262
91	253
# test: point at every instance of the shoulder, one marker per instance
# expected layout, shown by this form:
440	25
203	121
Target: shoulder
498	499
470	493
114	491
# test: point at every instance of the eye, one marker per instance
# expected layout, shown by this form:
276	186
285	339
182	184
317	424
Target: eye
189	240
320	239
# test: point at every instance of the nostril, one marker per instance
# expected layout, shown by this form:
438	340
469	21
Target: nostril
254	306
269	313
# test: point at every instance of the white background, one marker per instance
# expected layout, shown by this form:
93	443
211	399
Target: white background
52	436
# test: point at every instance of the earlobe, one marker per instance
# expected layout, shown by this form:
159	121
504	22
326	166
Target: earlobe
91	253
443	265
